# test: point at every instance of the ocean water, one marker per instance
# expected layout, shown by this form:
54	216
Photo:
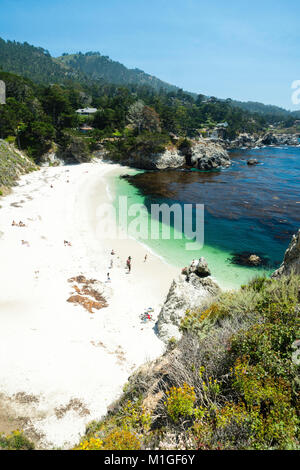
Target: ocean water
253	209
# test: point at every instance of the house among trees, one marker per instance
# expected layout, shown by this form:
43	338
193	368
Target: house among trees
86	111
2	92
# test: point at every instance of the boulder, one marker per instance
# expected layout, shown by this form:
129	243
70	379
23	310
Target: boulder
291	262
255	260
252	162
202	269
248	259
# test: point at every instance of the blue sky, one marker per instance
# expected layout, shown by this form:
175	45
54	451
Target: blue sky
239	49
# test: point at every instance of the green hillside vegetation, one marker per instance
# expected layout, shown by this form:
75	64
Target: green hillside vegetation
272	112
12	165
32	62
231	382
37	64
96	66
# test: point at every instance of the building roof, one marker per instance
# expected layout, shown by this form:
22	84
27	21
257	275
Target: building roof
86	111
86	128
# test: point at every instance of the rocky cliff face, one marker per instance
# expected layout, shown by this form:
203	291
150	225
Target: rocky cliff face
208	156
278	139
162	161
203	155
291	262
187	293
252	140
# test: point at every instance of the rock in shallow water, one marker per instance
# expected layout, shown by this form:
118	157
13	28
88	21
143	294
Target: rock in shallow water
252	162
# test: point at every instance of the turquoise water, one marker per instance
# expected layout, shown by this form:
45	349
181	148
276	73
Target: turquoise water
253	209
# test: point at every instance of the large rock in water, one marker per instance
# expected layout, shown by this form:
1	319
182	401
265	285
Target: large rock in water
186	293
291	262
208	156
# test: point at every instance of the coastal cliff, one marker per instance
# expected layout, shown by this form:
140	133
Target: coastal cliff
201	154
291	262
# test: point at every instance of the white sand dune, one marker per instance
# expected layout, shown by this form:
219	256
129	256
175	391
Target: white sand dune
61	366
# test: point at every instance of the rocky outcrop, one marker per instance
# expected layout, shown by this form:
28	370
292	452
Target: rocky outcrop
50	158
245	140
186	293
278	139
291	262
199	267
208	156
203	155
169	159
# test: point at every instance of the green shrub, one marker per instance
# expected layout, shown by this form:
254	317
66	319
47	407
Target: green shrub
180	402
15	441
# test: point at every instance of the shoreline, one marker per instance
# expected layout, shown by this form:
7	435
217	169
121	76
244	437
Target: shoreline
61	366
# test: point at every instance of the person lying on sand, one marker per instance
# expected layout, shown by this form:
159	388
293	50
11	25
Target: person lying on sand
26	243
66	243
13	223
21	224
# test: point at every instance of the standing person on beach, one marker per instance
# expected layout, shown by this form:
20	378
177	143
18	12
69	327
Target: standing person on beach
129	264
145	259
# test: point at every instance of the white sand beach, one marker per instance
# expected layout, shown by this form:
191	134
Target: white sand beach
61	366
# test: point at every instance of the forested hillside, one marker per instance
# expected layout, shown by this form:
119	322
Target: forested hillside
268	110
96	66
136	112
37	64
32	62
